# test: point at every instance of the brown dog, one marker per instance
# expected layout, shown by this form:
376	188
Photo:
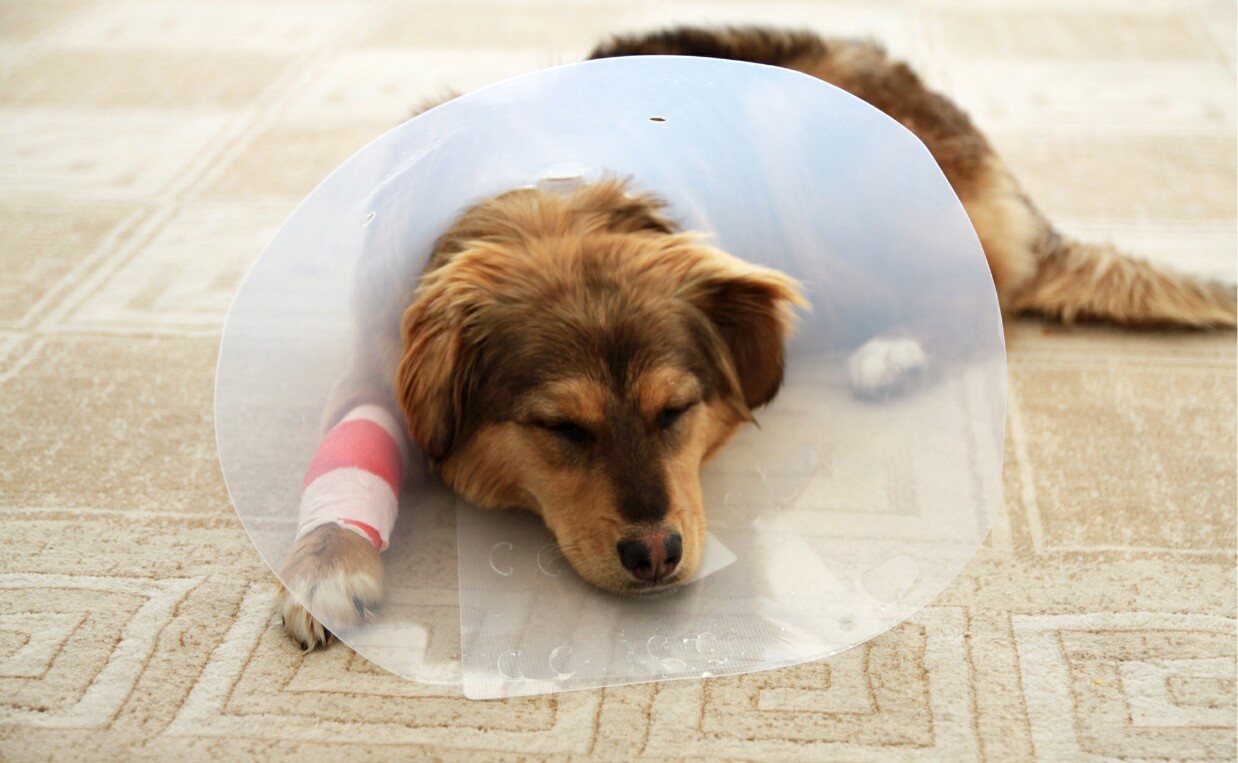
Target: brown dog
571	355
574	355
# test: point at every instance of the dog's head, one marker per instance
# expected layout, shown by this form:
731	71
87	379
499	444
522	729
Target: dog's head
584	370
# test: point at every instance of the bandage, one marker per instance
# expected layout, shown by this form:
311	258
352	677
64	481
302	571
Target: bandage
355	477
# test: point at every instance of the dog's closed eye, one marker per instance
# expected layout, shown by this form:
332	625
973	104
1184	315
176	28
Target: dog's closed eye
567	431
668	416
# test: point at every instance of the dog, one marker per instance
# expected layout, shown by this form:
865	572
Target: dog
575	355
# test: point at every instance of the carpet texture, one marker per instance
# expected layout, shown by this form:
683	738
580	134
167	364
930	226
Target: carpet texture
149	149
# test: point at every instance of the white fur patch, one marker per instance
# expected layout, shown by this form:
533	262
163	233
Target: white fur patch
885	366
343	599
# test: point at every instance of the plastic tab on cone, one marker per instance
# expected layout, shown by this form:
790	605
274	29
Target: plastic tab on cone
839	517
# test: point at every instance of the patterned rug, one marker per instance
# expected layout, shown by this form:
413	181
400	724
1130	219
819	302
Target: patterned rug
149	149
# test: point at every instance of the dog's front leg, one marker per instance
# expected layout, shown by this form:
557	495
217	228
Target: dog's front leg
348	510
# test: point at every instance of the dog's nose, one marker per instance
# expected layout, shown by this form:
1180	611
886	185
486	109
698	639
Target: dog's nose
651	557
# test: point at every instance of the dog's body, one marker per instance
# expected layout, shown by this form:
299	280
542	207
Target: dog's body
574	355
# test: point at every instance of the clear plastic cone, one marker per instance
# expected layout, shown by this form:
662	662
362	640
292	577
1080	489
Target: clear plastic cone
834	520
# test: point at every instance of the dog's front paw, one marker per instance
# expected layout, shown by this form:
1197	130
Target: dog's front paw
334	573
887	366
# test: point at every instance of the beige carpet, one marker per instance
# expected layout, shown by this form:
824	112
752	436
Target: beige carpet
148	150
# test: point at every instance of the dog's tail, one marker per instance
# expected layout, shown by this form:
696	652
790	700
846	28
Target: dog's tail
1083	281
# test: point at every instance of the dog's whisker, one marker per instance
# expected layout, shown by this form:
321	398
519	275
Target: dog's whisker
554	552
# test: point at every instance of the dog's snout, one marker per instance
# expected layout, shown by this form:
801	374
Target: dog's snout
651	557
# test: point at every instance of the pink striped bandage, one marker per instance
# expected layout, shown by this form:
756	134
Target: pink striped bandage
355	477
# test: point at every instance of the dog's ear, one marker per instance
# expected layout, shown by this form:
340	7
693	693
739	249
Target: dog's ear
436	363
751	308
